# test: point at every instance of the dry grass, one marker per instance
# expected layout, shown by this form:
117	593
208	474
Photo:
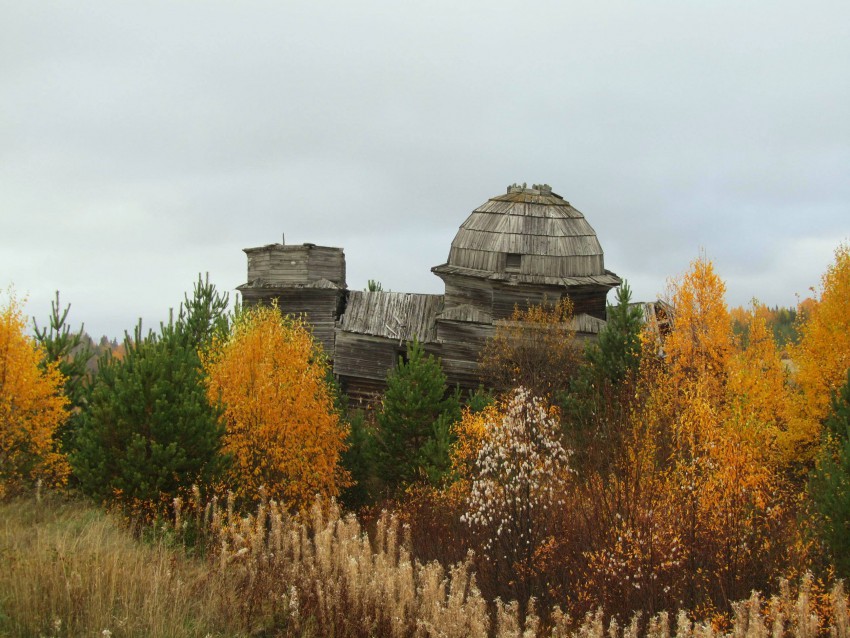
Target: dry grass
69	570
327	577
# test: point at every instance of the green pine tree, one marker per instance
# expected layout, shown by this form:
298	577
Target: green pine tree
359	460
72	351
829	485
616	354
148	432
597	405
412	438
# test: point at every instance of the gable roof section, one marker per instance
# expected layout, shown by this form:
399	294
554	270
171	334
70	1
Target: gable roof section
393	315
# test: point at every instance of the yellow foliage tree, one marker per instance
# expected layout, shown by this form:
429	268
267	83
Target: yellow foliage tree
32	407
282	430
822	356
718	404
757	394
700	344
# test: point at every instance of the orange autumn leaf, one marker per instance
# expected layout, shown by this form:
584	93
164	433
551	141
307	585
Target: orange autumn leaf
470	432
535	348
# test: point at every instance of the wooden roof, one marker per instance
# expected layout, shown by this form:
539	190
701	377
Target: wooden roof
554	240
394	315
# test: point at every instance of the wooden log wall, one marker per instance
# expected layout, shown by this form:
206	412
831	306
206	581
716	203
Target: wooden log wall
361	392
282	265
365	356
468	290
550	266
589	300
319	308
459	347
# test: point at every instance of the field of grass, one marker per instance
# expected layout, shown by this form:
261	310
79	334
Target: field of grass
67	569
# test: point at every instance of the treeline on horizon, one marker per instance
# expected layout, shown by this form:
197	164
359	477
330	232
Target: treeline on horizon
643	472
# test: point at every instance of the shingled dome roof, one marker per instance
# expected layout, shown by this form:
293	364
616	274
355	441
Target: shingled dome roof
528	234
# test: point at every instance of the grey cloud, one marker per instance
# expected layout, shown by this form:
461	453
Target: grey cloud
141	144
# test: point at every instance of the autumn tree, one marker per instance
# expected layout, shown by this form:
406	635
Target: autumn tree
720	469
535	348
758	396
283	432
629	524
700	344
822	356
148	432
414	419
32	407
519	476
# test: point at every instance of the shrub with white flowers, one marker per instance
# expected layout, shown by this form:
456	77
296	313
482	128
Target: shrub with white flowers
520	475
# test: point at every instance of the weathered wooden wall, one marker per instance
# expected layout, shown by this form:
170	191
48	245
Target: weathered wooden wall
498	297
319	307
459	347
281	265
473	291
361	363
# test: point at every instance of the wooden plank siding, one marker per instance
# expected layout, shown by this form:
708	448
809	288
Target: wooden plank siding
460	344
532	265
471	291
319	307
365	356
281	265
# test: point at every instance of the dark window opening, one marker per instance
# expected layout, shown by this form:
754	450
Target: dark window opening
513	262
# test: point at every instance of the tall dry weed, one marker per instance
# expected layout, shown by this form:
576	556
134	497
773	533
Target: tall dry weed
323	573
69	570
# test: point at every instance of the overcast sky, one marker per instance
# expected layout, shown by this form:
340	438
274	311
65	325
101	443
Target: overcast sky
142	143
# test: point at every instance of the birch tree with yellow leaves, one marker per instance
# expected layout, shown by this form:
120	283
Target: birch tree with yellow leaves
281	429
719	404
822	356
32	407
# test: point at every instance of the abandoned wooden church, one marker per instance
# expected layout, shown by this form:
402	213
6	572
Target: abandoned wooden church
517	249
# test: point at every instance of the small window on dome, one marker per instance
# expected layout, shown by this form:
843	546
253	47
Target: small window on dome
513	262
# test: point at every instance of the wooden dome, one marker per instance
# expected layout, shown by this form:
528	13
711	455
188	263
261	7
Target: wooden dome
527	235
